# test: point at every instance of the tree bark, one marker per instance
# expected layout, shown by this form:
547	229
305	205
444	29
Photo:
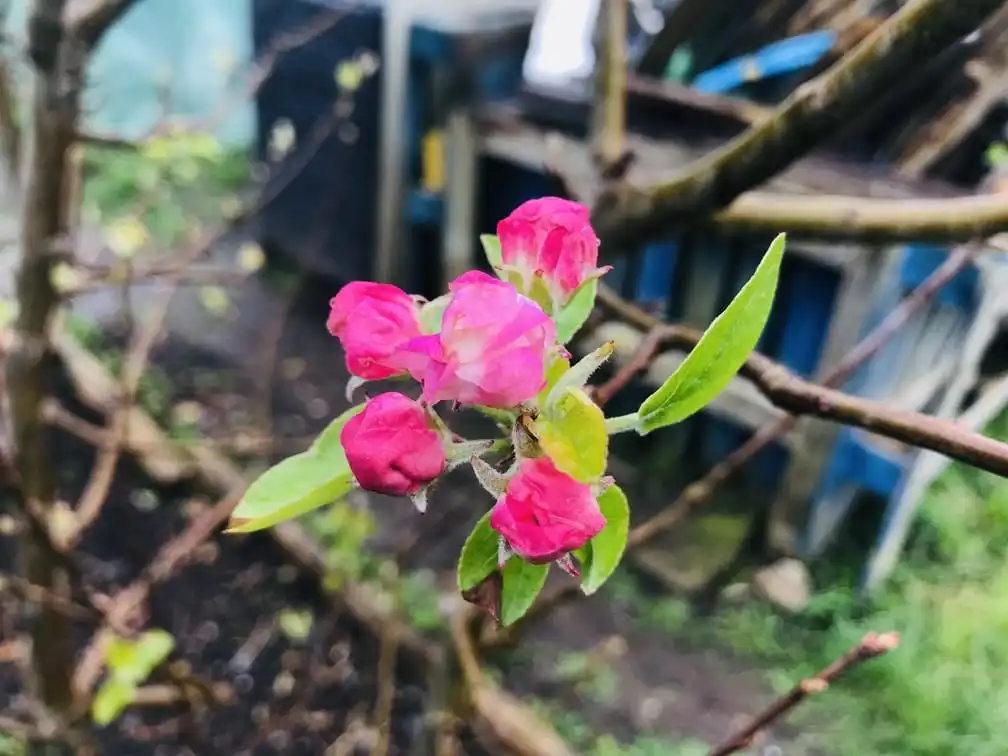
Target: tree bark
625	216
53	116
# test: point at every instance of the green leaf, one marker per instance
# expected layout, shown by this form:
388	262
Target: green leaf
605	550
432	313
479	555
152	648
327	443
111	700
522	582
574	436
492	250
574	314
554	372
720	353
132	660
296	625
298	484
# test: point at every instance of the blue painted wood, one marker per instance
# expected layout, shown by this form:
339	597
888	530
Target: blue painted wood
784	57
808	293
323	218
656	273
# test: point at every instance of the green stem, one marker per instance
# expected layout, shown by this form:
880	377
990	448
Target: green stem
622	423
504	418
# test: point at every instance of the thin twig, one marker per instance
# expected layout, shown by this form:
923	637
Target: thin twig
798	396
382	720
125	604
870	646
36	594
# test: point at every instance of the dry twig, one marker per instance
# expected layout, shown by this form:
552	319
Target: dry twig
870	646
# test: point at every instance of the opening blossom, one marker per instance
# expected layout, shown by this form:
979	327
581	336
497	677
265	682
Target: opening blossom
393	446
545	514
372	321
492	348
550	248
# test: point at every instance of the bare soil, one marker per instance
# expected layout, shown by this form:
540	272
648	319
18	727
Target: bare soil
298	697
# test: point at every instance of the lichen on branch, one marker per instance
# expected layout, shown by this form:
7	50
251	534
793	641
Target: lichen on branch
625	214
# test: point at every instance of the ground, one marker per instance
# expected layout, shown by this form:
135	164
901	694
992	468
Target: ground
623	673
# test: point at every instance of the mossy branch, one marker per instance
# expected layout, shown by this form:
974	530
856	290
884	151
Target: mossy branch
834	218
625	215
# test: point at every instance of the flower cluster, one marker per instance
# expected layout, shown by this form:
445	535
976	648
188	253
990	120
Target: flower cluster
490	343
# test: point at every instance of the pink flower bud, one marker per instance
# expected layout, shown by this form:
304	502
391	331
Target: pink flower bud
372	320
550	238
491	350
392	446
544	513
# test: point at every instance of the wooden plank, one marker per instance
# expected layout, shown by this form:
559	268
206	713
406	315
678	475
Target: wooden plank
505	135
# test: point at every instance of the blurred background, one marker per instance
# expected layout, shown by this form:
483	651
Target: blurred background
315	142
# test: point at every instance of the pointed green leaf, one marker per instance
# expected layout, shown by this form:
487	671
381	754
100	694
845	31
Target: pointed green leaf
479	555
111	700
522	582
492	250
720	353
574	436
574	314
604	552
298	484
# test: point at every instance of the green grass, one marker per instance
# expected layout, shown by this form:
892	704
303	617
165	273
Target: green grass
944	691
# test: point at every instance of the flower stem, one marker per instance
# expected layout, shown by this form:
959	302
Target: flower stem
501	417
622	423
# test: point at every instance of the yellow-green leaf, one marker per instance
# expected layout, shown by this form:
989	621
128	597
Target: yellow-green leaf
720	353
492	250
574	436
111	700
132	660
126	236
554	371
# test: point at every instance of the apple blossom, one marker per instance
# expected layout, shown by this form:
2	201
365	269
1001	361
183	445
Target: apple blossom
372	320
548	245
491	350
393	446
544	514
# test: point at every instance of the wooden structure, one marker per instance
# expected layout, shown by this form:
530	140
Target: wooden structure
925	138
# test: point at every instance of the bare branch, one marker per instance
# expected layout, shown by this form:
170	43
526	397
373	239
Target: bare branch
611	97
801	397
701	490
624	214
870	647
54	110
